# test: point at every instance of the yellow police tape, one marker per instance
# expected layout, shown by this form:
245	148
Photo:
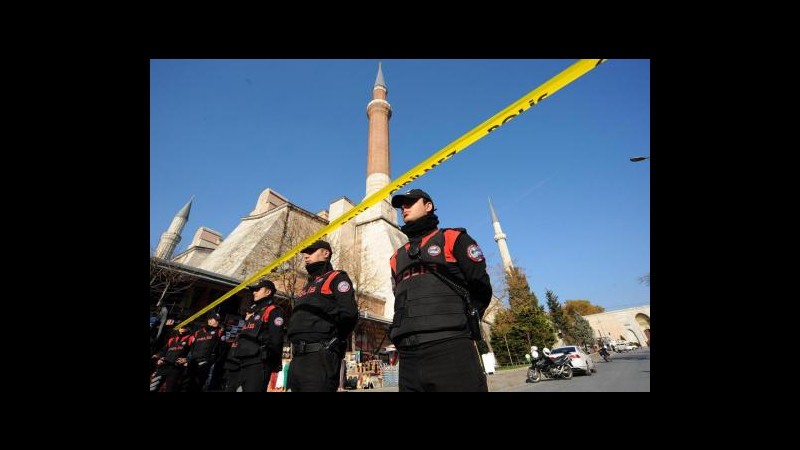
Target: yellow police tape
527	101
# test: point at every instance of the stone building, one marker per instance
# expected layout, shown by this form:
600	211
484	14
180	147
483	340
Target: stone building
629	324
362	246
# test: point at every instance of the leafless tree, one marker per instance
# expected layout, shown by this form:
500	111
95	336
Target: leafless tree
365	281
291	275
165	280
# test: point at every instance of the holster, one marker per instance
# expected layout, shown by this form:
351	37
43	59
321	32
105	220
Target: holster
473	322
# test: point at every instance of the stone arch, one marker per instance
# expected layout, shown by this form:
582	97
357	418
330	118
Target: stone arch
644	324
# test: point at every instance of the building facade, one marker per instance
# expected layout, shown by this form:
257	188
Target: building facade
629	324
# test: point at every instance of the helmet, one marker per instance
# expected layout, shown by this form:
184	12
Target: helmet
546	351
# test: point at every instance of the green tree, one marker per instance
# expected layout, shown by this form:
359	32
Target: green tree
523	324
531	327
501	328
580	332
556	313
518	290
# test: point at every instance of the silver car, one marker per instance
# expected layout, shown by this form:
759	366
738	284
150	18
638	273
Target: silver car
578	358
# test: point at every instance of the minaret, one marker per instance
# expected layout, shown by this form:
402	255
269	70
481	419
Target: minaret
379	111
500	238
171	237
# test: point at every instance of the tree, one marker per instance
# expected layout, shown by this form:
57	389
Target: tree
582	307
365	282
518	290
503	321
556	313
291	276
581	332
524	324
166	281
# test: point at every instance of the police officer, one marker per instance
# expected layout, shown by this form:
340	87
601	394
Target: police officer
256	353
435	274
206	350
172	361
323	317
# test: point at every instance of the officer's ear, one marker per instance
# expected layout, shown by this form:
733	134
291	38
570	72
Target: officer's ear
428	206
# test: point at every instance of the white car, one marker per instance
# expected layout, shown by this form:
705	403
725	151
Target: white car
578	358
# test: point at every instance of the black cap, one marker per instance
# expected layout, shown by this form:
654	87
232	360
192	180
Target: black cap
215	315
399	199
316	245
263	283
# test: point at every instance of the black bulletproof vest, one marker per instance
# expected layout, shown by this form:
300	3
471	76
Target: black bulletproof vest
422	302
315	312
206	340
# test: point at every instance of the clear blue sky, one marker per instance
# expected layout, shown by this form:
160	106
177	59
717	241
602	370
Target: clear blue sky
575	210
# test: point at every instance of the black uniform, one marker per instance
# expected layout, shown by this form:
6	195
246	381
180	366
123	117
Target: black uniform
168	377
430	327
322	319
206	350
256	353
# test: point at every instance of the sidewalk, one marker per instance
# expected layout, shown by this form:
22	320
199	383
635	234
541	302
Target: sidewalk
498	381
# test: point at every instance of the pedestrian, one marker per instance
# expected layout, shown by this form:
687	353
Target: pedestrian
170	374
323	317
206	350
441	291
256	353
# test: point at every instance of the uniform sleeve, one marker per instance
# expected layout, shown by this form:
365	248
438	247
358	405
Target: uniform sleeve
218	344
342	288
276	329
472	264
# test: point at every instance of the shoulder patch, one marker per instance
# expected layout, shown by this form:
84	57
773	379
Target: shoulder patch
278	321
475	253
343	286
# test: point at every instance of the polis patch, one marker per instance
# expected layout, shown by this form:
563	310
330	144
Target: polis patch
475	253
343	286
278	321
434	250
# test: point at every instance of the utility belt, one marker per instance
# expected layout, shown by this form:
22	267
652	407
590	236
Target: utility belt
422	338
303	347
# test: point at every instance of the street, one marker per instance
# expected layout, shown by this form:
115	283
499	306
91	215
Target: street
628	372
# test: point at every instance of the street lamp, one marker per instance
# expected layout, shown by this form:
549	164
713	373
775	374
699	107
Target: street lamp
639	158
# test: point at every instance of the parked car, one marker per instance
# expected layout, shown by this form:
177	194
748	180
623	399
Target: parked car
579	359
623	347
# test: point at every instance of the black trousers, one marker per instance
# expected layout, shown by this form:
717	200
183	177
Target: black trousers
451	365
173	377
252	376
198	376
314	372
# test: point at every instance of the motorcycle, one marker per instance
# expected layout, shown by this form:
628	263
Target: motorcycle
543	366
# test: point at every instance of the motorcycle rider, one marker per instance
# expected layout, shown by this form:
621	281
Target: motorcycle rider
604	353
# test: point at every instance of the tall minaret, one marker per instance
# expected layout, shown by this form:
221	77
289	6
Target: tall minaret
171	237
379	111
500	238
